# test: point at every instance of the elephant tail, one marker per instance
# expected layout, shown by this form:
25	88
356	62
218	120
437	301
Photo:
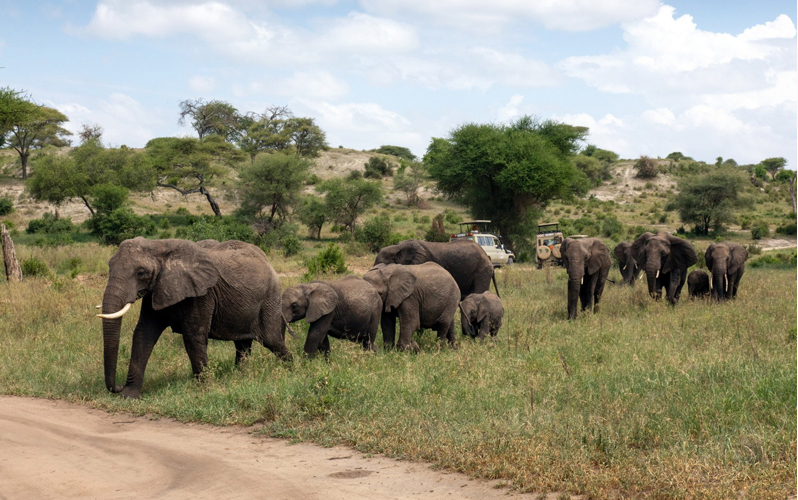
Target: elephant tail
495	287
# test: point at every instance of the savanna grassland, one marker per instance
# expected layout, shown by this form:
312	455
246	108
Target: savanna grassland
641	400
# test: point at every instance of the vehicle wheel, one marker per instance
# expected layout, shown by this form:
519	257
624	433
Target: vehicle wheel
509	261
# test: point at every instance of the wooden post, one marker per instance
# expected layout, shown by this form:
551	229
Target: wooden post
13	271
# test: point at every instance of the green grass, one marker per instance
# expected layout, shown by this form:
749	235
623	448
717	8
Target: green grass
641	400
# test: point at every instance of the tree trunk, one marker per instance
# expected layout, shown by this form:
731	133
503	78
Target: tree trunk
13	271
792	190
214	205
23	158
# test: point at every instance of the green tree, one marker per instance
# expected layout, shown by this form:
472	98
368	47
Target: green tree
27	126
277	129
398	151
90	133
306	137
603	155
710	200
409	180
313	214
190	165
773	165
646	167
347	200
592	167
377	167
210	117
270	186
506	173
57	177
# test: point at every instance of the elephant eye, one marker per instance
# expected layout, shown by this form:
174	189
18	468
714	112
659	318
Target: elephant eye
141	273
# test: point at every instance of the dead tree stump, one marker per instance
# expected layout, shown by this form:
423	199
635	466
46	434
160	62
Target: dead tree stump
13	271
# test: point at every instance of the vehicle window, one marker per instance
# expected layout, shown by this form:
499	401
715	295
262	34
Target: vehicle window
496	243
484	241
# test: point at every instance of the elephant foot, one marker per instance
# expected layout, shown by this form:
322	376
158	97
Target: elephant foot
412	346
128	392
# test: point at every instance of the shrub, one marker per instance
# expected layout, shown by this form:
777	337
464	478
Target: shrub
52	240
6	205
646	167
376	233
787	229
610	226
753	249
329	260
451	216
760	230
291	245
217	228
377	168
49	224
34	267
119	225
787	260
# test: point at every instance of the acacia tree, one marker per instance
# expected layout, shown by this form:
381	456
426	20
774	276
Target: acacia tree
710	200
210	117
506	173
189	165
313	213
270	186
409	180
347	200
27	126
278	130
92	132
773	165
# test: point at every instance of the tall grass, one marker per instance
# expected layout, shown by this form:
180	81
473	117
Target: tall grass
641	400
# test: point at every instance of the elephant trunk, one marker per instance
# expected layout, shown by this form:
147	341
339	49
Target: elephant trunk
112	303
574	287
720	281
652	275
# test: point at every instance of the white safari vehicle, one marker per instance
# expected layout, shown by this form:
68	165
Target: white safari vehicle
479	231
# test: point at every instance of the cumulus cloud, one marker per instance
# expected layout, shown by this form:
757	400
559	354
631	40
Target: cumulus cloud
510	110
663	116
202	83
312	84
479	16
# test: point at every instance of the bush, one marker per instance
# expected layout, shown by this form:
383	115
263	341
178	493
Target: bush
119	225
291	245
646	167
49	224
53	240
451	216
760	230
105	198
753	249
34	267
785	260
6	205
329	260
376	233
787	229
377	168
217	228
610	226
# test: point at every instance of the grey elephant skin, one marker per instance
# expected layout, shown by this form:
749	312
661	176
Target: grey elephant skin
481	315
626	262
225	291
349	308
698	284
465	260
587	262
665	259
421	296
726	263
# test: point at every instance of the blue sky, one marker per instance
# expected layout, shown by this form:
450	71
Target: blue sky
709	79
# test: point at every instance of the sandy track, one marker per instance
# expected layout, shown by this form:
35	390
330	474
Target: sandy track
53	449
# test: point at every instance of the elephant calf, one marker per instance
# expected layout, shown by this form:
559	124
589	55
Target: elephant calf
422	296
698	284
481	314
348	308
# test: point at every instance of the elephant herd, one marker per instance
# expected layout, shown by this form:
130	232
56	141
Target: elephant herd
663	258
229	291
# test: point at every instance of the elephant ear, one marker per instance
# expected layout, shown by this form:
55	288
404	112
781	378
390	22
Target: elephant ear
639	248
682	252
708	257
400	285
482	310
599	257
188	271
738	257
563	251
413	252
322	300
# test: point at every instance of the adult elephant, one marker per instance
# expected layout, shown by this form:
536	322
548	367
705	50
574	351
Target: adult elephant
726	263
465	260
626	262
665	259
225	291
481	314
348	308
422	296
587	262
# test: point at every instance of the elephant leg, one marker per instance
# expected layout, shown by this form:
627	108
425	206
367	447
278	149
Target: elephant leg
484	329
317	335
243	350
450	334
598	290
409	322
271	332
325	346
674	284
388	325
145	336
586	291
370	339
197	350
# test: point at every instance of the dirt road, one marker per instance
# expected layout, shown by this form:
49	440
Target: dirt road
53	449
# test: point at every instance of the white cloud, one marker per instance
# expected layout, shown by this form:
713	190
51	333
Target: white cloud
706	117
123	119
312	84
480	16
362	33
662	116
782	27
510	110
202	83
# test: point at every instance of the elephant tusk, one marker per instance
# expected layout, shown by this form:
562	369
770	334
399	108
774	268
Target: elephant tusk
624	267
98	307
657	276
726	278
117	314
642	275
583	281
